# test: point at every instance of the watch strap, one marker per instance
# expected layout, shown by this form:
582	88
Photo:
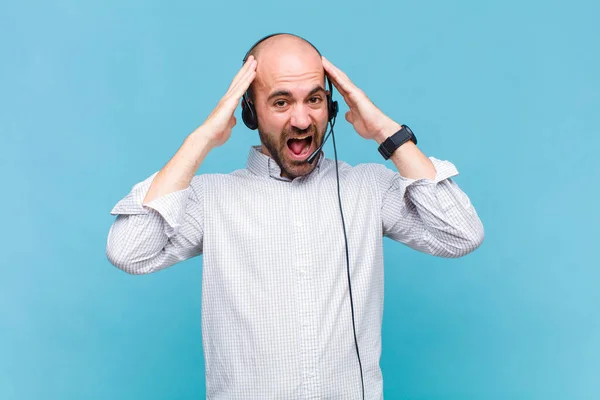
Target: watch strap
389	145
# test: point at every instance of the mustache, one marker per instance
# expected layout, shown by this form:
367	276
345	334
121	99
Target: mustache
294	131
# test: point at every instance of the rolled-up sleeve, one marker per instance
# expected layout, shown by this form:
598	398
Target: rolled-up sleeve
430	215
146	238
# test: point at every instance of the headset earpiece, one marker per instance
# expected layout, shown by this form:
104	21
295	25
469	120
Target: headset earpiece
332	106
249	113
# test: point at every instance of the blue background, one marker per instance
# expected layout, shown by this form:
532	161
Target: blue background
96	96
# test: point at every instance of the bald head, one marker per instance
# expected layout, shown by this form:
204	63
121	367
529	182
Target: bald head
281	40
284	54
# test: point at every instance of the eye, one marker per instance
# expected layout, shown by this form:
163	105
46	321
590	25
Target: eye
280	103
314	100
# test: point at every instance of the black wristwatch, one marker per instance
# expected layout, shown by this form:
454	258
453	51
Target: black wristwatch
389	145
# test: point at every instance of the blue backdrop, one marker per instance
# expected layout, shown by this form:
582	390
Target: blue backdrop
96	96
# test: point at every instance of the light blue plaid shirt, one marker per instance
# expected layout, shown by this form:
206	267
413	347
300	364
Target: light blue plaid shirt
276	320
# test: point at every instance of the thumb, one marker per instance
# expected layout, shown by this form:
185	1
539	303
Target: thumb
350	117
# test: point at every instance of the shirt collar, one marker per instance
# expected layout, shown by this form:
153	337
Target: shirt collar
262	165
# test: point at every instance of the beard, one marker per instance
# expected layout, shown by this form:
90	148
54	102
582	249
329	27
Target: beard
280	152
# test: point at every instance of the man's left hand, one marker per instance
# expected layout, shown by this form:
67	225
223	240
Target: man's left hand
368	120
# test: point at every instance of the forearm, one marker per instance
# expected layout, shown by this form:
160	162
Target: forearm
408	159
179	171
434	216
441	220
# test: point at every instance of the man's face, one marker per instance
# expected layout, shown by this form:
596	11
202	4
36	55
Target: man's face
291	105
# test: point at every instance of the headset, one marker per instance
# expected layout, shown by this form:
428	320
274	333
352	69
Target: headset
251	121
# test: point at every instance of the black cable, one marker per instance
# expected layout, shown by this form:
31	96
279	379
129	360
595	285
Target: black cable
347	258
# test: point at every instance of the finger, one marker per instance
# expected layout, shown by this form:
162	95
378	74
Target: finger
344	84
249	65
336	69
349	117
337	85
242	82
230	101
344	92
250	69
331	73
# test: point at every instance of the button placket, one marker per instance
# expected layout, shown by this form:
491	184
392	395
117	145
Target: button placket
303	265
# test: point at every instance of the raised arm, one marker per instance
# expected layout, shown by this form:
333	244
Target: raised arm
160	222
421	205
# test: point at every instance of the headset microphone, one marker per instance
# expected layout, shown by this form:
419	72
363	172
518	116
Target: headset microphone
332	110
315	153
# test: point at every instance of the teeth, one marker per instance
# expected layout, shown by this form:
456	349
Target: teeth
301	138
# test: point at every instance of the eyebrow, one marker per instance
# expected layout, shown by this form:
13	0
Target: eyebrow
287	93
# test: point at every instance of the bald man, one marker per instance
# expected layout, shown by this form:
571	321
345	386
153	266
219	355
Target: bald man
276	307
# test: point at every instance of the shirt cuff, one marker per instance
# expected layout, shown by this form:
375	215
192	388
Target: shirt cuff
132	203
444	170
171	207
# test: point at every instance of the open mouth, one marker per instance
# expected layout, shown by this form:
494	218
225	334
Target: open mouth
300	146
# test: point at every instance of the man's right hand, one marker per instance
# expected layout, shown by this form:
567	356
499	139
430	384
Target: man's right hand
219	123
215	131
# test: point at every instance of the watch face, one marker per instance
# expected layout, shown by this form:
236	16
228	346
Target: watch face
411	133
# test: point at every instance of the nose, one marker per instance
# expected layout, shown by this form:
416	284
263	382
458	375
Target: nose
301	117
